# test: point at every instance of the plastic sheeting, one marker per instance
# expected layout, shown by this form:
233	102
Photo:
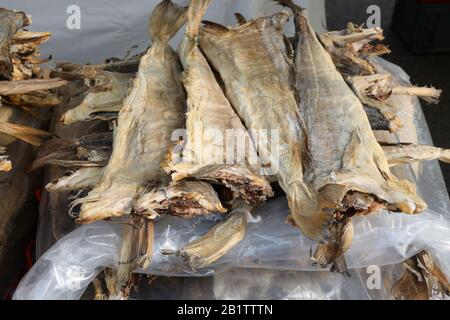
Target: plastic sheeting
381	239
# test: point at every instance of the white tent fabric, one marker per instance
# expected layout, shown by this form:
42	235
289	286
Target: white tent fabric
108	28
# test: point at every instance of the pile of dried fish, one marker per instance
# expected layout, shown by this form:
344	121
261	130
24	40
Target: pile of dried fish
170	112
23	83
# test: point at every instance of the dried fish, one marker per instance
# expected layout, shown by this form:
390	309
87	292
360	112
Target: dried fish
398	154
30	135
26	86
211	123
342	157
104	98
5	164
152	110
220	239
184	198
84	178
351	50
264	99
90	150
423	279
10	22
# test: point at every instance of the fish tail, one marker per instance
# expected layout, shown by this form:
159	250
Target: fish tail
196	11
166	20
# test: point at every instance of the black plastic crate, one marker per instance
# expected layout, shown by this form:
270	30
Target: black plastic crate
424	25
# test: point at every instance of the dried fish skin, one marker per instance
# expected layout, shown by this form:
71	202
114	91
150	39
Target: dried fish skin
152	110
184	198
29	135
5	164
84	178
11	22
27	86
211	123
399	154
105	97
421	280
264	99
220	239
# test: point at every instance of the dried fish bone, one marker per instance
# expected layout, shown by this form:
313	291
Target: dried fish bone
210	120
184	198
152	110
354	164
104	99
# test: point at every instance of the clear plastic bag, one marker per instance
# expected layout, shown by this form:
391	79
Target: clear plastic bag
381	239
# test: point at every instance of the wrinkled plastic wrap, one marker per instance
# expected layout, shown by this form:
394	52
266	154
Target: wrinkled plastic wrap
382	239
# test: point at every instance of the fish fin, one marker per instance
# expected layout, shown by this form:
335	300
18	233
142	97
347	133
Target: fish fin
166	19
240	18
196	11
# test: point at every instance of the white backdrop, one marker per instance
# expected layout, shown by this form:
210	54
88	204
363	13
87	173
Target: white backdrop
110	27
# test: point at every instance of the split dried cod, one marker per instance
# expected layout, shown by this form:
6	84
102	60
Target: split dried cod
183	198
10	22
152	110
104	99
422	279
346	171
211	124
252	62
5	164
219	240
